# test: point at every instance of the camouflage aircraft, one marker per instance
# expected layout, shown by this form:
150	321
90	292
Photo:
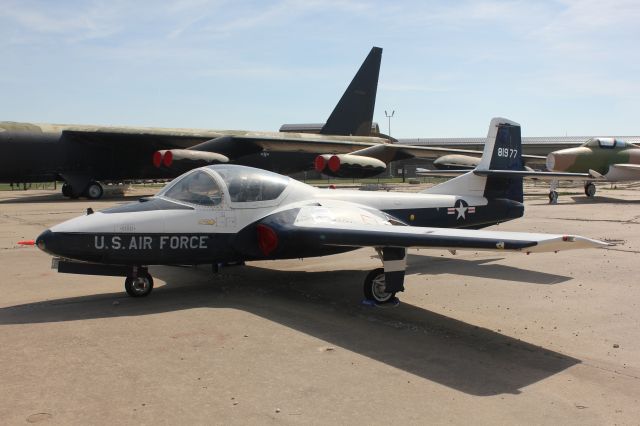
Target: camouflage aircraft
603	159
347	145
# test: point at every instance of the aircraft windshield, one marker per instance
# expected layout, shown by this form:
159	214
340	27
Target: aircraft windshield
246	184
606	143
198	188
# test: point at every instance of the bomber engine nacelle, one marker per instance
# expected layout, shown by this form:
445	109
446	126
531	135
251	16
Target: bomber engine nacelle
186	159
456	162
349	165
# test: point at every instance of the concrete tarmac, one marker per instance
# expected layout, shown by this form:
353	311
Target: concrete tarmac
479	338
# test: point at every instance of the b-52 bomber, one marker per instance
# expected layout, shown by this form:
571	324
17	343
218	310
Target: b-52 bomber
86	156
231	213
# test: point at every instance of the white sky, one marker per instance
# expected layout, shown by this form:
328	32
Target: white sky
556	67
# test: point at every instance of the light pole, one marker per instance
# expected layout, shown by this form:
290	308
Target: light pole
389	116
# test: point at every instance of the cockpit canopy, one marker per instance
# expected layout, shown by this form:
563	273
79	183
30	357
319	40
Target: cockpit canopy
207	186
197	187
607	143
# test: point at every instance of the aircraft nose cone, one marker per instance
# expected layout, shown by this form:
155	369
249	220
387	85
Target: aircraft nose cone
551	162
44	241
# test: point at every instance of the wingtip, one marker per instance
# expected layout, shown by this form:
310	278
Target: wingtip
587	242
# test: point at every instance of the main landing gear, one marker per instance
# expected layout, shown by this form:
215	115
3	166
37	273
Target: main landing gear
92	190
382	284
138	284
375	288
553	194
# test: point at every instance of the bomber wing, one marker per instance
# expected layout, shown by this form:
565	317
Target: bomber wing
150	138
356	156
373	147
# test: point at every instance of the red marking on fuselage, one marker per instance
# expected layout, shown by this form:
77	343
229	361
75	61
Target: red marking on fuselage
267	239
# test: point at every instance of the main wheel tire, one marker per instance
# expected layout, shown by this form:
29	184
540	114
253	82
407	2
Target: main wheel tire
553	197
94	191
67	191
140	286
590	190
374	287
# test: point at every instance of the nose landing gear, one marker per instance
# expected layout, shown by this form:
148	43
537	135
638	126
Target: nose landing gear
589	189
138	284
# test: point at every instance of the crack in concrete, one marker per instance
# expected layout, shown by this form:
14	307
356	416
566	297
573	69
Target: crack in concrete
623	250
633	221
608	370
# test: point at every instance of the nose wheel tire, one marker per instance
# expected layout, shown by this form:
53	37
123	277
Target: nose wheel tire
375	288
139	286
590	190
553	197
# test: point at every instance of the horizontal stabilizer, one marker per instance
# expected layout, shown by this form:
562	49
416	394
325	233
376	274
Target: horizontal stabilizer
535	175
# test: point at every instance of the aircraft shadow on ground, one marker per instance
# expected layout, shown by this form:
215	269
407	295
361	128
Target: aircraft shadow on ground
600	199
577	199
326	305
433	265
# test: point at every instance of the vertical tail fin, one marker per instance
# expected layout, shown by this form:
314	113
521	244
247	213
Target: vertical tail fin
502	151
506	154
353	115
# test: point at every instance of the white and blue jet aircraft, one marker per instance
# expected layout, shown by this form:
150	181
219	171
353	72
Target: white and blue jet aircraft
230	213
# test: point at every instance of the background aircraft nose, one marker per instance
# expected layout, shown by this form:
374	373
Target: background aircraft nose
551	162
560	161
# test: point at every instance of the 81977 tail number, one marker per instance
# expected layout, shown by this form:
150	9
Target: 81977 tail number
507	152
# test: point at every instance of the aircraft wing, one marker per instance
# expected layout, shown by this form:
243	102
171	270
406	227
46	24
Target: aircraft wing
373	147
388	152
235	144
318	225
150	138
623	172
630	167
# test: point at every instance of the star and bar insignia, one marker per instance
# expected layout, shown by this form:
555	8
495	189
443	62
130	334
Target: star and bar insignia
461	208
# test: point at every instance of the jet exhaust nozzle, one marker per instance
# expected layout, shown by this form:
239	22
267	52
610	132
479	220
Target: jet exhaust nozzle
186	158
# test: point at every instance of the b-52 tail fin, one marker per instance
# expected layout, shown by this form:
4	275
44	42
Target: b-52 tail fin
353	115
